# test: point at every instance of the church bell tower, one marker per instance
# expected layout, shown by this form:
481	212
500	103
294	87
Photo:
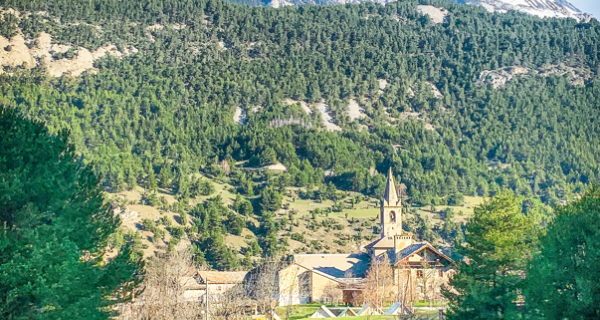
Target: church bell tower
391	210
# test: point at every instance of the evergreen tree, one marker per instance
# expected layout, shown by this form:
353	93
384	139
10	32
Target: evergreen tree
270	200
499	243
152	184
165	176
563	278
54	230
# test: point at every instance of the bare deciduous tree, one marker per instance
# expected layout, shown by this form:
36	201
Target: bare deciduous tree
262	287
430	282
164	289
332	292
379	283
170	292
232	304
404	285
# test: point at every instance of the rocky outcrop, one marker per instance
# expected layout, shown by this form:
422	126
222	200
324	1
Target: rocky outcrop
15	52
437	15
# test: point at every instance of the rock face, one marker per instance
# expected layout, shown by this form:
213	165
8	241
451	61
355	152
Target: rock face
437	15
14	52
571	70
540	8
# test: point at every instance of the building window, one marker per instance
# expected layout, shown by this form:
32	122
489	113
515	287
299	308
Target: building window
392	216
419	274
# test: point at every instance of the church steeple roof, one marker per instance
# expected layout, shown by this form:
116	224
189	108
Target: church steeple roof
390	196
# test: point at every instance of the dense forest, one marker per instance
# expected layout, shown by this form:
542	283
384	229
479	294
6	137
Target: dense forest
164	113
169	107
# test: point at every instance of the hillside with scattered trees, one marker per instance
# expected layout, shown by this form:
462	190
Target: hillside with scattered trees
160	94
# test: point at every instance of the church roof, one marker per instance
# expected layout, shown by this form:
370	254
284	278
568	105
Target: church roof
381	243
390	197
353	265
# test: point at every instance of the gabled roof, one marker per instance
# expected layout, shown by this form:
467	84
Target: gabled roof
367	310
347	312
415	248
323	312
353	265
216	277
189	283
396	309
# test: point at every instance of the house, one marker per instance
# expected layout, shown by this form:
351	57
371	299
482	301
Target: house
419	269
192	290
219	282
319	277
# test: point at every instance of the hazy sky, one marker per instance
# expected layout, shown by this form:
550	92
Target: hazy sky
589	6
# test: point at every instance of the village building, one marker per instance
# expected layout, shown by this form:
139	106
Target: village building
320	277
217	283
419	269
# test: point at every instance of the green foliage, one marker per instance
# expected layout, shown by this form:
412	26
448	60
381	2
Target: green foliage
270	200
173	110
148	224
242	205
165	176
176	232
234	223
499	243
455	199
297	236
206	188
152	183
208	219
563	276
54	230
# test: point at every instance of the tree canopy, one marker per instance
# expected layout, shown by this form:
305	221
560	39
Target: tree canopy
169	107
55	230
566	270
500	239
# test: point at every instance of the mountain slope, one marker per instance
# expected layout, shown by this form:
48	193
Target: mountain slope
540	8
371	87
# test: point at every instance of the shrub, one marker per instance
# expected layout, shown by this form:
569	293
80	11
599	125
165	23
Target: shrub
297	236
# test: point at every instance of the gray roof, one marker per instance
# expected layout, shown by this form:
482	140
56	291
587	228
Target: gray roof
412	249
348	265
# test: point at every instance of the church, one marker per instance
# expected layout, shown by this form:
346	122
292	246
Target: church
419	269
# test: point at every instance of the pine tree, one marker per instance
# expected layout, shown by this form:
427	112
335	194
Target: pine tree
499	242
563	276
165	176
55	230
152	184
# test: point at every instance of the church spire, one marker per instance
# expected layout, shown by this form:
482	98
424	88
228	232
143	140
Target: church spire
391	196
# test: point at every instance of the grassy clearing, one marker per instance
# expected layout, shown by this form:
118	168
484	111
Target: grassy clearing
357	219
461	213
